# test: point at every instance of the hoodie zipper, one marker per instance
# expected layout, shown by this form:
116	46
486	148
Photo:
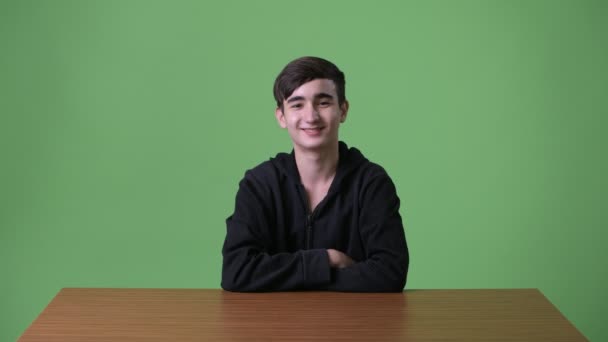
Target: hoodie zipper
310	217
308	227
308	231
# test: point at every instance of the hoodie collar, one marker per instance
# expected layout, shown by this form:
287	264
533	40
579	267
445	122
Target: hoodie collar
348	160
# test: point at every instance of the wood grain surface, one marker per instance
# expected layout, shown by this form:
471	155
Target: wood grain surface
100	314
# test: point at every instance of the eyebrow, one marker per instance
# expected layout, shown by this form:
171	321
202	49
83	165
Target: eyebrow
317	96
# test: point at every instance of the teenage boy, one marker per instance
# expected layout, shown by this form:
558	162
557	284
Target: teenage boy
322	217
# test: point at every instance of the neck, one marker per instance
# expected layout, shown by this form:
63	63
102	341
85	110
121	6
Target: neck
317	167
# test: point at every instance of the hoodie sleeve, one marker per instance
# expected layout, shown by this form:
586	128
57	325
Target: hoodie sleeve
248	263
386	266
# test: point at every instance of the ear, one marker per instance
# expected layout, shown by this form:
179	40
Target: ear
344	111
278	113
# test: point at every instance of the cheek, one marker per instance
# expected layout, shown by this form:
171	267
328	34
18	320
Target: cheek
292	121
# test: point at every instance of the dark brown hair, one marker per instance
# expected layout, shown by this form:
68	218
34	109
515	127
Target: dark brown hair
306	69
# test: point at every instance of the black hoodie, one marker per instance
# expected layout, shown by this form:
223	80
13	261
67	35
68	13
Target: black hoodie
274	244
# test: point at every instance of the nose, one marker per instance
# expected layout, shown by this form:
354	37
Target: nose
311	114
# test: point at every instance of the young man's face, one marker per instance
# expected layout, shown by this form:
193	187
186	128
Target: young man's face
312	115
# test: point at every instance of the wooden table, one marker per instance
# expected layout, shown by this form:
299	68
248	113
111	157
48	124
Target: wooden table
98	314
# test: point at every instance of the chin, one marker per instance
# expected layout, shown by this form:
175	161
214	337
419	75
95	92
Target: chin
313	145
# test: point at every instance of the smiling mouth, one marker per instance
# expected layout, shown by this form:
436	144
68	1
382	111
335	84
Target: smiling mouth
313	131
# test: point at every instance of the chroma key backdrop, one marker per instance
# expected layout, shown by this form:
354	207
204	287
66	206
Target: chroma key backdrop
125	127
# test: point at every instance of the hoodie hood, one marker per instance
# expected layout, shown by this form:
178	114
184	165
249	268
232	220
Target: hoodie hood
348	160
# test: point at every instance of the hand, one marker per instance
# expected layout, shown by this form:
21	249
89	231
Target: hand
338	259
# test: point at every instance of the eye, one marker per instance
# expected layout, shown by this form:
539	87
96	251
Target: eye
324	103
296	106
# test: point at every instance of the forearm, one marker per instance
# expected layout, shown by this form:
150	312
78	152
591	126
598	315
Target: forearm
243	272
379	274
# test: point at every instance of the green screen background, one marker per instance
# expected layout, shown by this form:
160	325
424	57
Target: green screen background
125	127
